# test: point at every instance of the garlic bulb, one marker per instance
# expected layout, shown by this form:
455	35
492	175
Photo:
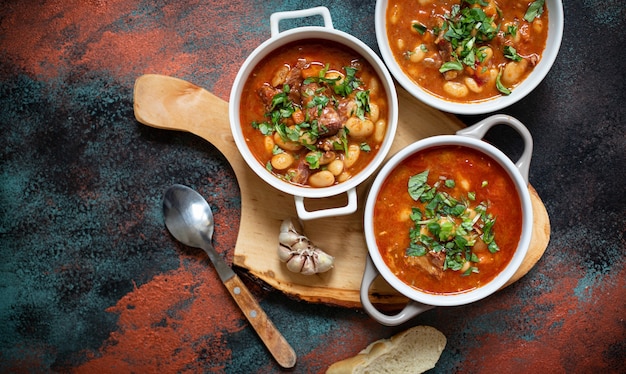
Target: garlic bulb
299	253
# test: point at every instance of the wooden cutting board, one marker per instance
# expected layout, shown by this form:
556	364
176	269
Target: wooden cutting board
170	103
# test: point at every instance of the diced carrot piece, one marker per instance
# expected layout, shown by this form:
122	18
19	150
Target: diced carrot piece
298	116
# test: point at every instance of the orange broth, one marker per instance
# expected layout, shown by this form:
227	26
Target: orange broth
420	54
393	205
309	58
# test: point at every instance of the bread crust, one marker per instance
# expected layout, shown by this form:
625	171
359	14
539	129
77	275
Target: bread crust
411	351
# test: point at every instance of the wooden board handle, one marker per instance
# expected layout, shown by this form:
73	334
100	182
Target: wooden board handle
269	334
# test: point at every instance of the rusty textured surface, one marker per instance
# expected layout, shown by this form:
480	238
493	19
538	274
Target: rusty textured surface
91	281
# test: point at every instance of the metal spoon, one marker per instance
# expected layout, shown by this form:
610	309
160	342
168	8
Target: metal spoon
189	218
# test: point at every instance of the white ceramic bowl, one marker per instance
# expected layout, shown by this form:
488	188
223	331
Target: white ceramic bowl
555	34
421	301
277	40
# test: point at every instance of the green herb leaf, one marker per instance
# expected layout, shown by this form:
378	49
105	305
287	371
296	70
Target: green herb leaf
451	65
417	184
448	225
421	29
349	84
511	53
313	159
416	250
277	150
416	214
511	30
362	103
535	9
500	86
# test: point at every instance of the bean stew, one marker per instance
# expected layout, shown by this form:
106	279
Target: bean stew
467	50
314	113
447	220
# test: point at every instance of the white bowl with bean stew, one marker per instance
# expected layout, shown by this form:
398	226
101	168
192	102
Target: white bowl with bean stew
469	57
448	220
313	112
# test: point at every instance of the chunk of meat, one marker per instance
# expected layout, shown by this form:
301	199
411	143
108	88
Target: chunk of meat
308	92
301	173
329	121
294	80
267	93
432	263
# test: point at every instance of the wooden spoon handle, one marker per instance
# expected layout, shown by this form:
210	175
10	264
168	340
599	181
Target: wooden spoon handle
269	334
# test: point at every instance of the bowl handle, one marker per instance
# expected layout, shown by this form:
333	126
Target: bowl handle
479	130
305	215
412	309
275	18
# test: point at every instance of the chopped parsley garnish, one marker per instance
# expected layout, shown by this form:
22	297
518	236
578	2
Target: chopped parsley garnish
465	28
282	108
535	9
362	103
448	225
500	86
313	159
345	88
511	53
421	29
451	65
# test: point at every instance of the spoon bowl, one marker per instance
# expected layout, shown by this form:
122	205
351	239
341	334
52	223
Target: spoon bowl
192	226
189	219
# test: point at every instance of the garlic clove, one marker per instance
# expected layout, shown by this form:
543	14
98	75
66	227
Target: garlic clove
284	252
325	262
288	238
296	263
308	268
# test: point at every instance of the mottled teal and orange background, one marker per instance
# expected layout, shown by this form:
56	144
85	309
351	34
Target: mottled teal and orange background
90	280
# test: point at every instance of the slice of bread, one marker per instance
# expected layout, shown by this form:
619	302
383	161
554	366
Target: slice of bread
412	351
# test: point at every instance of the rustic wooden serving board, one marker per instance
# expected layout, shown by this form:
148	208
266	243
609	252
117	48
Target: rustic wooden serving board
170	103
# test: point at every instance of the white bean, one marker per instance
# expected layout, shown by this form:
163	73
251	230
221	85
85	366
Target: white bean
455	89
352	155
395	15
488	54
380	129
288	146
344	177
307	138
404	214
358	128
472	85
513	72
400	44
374	112
418	54
322	178
335	167
282	161
268	143
335	75
373	86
